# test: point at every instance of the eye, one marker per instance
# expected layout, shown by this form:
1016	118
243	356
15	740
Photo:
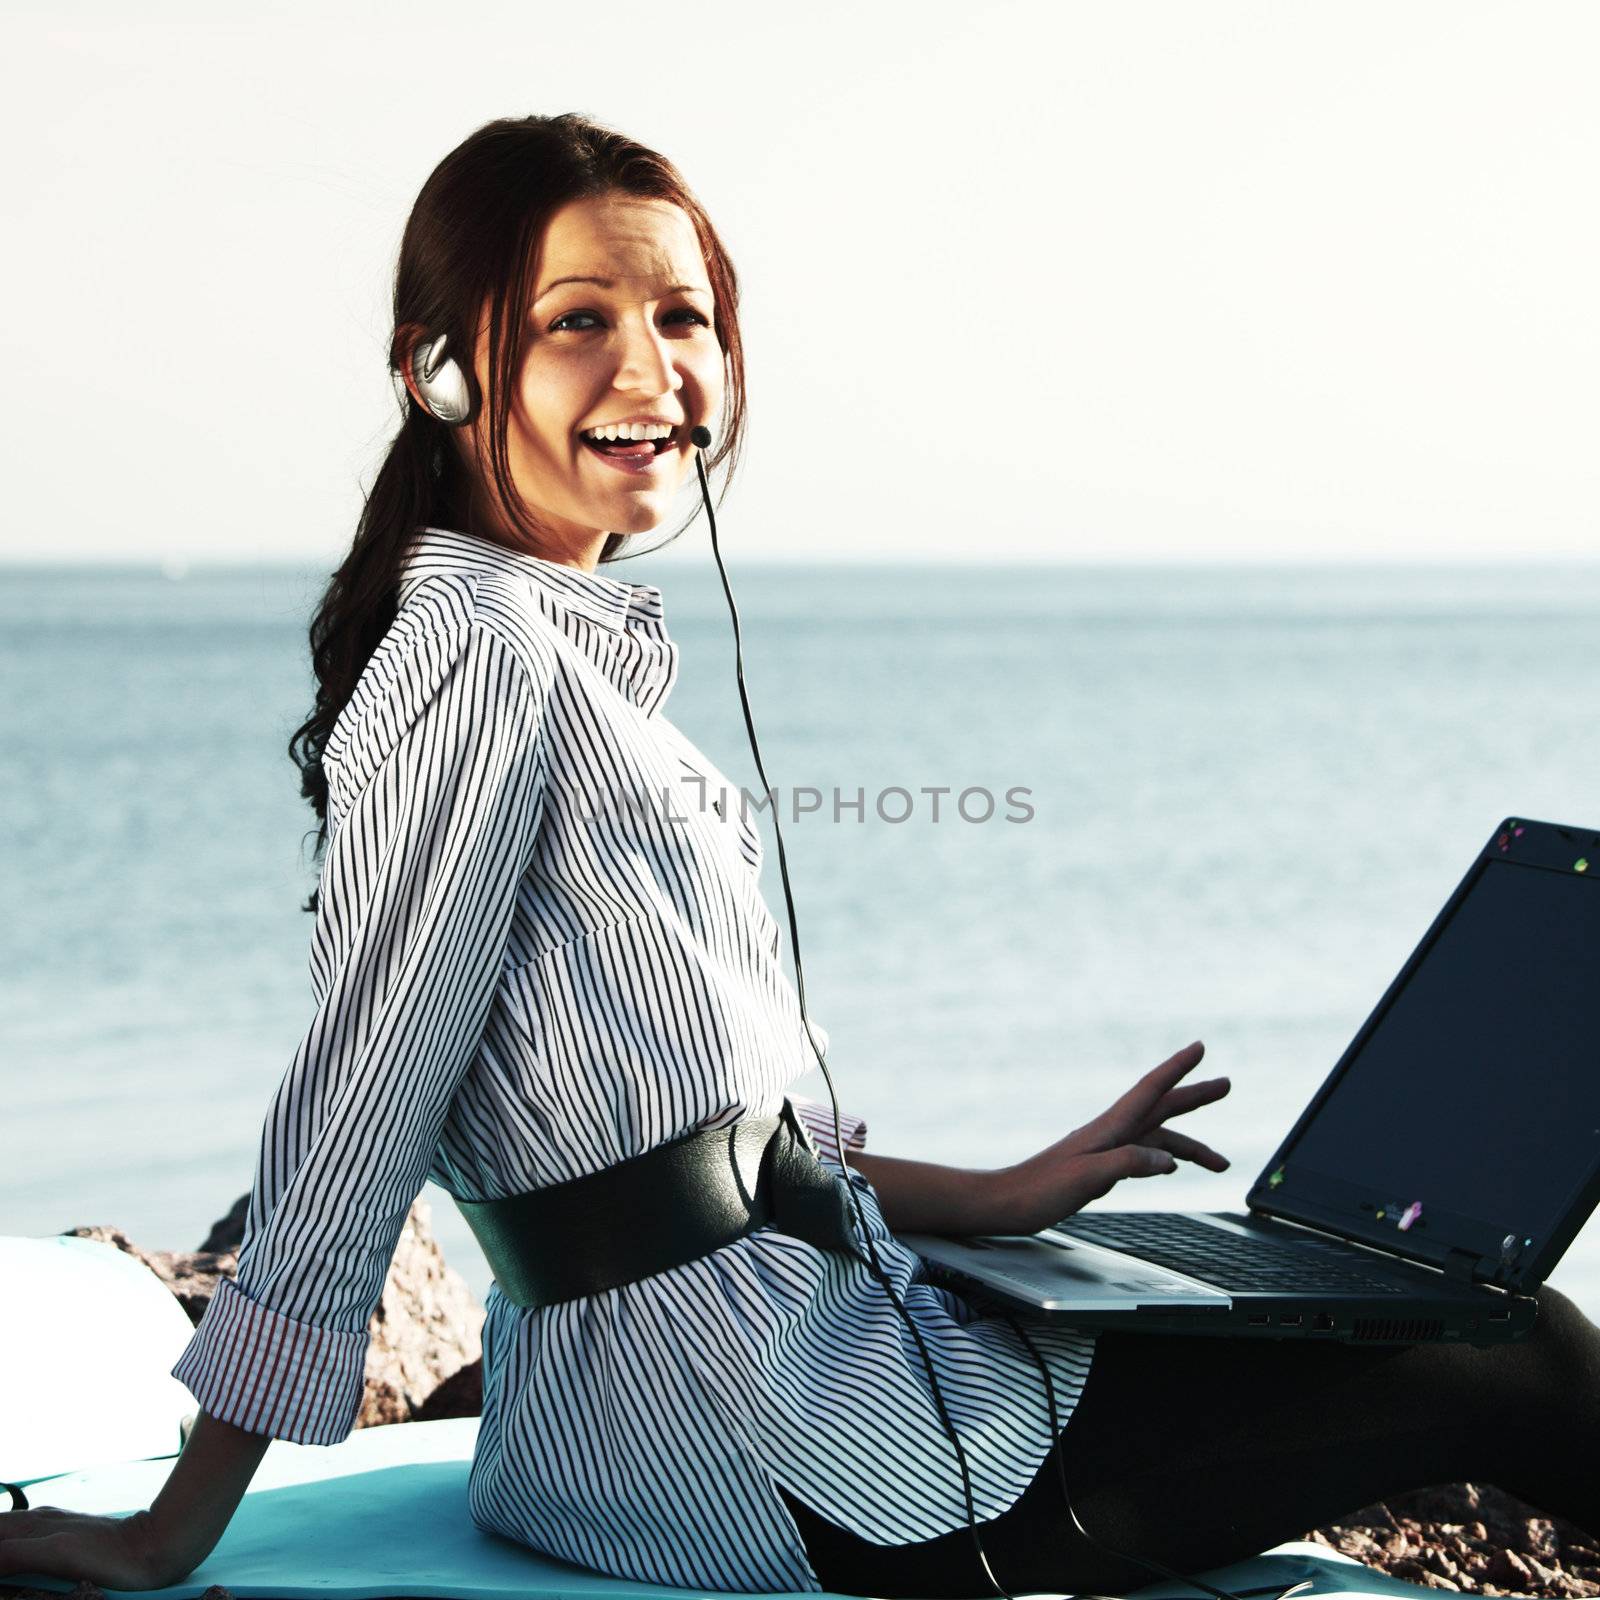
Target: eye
684	311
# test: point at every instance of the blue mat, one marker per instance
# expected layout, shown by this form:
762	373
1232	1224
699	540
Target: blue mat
384	1513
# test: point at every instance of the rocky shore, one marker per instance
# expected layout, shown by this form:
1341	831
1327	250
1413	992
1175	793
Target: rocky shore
425	1362
1470	1538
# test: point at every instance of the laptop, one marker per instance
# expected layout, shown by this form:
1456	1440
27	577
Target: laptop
1433	1182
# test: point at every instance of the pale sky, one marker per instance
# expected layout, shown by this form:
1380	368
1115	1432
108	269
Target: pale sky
1032	281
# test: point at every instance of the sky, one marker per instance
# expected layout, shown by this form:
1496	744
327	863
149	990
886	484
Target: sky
1031	281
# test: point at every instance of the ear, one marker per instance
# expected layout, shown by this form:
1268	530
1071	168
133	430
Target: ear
406	339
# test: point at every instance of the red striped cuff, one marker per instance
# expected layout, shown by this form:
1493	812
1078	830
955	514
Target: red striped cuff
267	1373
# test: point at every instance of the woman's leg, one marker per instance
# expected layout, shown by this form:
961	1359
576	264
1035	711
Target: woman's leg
1195	1452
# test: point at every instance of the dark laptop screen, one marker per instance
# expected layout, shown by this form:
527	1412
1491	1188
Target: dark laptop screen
1472	1111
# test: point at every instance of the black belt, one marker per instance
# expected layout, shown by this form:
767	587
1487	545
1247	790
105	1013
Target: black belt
673	1204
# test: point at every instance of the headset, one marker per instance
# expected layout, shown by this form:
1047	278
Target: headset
443	387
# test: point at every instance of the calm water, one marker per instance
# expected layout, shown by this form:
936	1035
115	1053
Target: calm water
1251	790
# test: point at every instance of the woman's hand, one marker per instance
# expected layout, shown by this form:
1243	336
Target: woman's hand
114	1552
1128	1141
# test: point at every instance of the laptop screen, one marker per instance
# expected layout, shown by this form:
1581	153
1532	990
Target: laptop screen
1469	1115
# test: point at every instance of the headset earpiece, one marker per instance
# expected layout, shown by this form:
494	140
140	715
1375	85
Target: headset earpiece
440	381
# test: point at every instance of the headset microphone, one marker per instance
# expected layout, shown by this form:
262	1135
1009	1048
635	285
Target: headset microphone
701	436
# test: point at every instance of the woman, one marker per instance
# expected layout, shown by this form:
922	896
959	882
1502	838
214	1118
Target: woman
522	980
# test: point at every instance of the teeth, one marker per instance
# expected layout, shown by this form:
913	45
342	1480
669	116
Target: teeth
630	430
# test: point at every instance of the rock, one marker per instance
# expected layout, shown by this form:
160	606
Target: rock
190	1274
1506	1566
1363	1546
84	1590
1437	1560
458	1396
1539	1537
1470	1537
425	1358
81	1590
426	1330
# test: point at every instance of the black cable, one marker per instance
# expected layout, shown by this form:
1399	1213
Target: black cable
871	1260
874	1265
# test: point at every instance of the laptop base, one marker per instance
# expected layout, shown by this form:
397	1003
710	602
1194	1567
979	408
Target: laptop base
1094	1287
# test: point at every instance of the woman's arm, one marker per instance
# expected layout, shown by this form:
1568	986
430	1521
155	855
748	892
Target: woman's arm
147	1549
203	1491
444	776
924	1197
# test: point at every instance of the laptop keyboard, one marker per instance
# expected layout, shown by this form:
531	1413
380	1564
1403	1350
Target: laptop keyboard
1230	1261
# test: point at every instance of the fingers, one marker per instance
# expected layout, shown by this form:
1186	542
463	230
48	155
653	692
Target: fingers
1098	1174
18	1524
1176	1066
75	1544
1188	1097
1135	1109
1159	1080
31	1521
1146	1160
1187	1149
38	1551
1094	1176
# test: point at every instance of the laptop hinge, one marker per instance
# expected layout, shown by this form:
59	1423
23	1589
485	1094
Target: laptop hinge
1461	1265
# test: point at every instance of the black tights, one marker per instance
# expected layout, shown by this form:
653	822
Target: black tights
1198	1452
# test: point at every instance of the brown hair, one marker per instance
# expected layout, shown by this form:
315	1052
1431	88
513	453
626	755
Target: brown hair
470	239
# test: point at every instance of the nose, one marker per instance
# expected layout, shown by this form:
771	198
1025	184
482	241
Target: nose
644	364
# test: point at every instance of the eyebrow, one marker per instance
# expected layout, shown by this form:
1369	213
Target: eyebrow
610	283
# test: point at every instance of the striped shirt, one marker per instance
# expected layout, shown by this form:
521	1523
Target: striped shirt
528	964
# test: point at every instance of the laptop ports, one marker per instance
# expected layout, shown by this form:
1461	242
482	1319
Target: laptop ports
1499	1316
1323	1323
1260	1319
1289	1319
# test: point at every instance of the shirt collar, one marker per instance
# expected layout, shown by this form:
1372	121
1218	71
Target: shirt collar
610	602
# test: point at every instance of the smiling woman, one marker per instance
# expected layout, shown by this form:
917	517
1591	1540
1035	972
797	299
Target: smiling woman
619	359
593	291
522	993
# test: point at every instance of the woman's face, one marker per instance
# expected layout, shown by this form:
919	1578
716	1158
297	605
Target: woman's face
640	345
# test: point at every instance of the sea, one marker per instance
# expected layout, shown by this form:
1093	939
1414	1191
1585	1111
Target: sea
1044	826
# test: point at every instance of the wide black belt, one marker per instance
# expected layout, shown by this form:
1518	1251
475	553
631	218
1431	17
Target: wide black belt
652	1212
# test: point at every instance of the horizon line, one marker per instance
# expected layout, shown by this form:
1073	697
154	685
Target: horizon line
184	564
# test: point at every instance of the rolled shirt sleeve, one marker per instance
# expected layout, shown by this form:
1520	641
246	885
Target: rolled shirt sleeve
442	796
816	1116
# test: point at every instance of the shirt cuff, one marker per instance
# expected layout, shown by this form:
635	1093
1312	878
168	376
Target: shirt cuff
267	1373
818	1121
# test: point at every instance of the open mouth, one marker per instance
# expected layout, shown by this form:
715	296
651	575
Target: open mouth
631	451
